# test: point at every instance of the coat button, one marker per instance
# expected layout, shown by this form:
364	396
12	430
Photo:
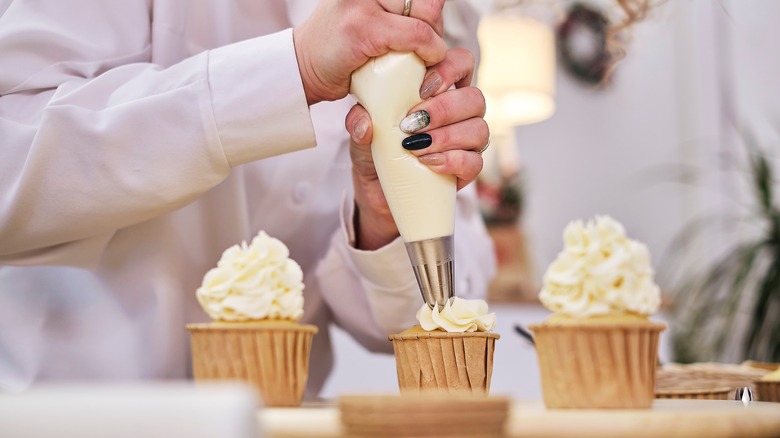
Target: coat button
301	191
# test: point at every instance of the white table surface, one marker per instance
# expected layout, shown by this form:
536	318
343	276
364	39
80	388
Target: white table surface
678	418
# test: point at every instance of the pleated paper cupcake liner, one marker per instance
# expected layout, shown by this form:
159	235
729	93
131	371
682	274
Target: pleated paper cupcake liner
451	362
273	358
597	366
767	391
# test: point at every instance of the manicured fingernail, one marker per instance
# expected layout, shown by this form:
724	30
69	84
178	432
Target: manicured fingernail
430	85
359	130
436	159
415	121
417	142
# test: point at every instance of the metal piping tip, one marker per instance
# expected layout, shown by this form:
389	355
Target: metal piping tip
433	261
745	394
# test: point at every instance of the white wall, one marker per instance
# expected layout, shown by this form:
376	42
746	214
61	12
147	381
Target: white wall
696	72
606	151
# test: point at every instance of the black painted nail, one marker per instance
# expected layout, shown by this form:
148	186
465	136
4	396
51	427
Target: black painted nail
417	142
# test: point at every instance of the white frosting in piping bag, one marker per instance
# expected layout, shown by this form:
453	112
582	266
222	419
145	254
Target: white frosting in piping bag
422	201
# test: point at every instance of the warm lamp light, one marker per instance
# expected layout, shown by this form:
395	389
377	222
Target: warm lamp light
517	69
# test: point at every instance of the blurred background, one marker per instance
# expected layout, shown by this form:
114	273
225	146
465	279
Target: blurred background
662	114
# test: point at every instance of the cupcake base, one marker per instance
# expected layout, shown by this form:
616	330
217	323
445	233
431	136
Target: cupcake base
437	360
272	356
597	365
767	391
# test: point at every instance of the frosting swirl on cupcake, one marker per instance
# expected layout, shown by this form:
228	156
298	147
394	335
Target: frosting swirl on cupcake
457	316
600	271
254	282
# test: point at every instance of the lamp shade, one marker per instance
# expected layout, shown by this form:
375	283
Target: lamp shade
517	69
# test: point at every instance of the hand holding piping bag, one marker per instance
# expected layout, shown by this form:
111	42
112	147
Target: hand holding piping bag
342	35
447	133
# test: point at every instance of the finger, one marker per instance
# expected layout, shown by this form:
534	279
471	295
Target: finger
465	165
457	69
359	126
402	34
444	109
470	135
428	11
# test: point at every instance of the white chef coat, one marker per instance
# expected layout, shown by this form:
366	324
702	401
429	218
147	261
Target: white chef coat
140	139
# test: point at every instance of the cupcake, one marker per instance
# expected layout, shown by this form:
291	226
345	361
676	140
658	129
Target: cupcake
450	350
255	297
768	387
599	349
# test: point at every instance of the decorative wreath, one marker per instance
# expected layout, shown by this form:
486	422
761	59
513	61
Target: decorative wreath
591	67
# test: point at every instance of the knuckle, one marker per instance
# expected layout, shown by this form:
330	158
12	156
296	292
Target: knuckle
457	161
479	97
432	10
471	61
483	130
464	54
443	137
441	110
422	31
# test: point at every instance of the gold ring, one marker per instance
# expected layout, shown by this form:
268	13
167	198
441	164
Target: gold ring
407	7
484	148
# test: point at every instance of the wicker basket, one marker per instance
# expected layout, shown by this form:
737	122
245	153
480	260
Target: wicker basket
707	375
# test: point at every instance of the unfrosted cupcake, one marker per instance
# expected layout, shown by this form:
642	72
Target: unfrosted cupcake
451	350
599	349
768	387
255	297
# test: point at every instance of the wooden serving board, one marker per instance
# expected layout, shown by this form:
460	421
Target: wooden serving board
678	418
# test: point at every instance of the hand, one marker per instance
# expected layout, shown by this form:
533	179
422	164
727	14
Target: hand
455	134
341	35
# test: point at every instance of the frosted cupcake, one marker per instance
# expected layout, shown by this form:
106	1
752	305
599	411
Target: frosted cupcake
599	349
255	297
451	350
768	387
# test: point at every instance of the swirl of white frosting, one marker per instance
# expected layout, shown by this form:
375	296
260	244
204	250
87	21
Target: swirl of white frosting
457	316
254	282
600	272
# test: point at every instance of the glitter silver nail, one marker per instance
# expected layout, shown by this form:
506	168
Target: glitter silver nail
415	121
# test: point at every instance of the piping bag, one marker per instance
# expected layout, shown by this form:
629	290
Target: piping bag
421	201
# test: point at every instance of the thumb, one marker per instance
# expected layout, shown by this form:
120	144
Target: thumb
358	124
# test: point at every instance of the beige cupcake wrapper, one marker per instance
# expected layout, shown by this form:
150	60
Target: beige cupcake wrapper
767	391
696	394
597	365
274	358
433	414
441	361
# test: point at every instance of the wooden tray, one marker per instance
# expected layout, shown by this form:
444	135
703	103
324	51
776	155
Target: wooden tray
679	418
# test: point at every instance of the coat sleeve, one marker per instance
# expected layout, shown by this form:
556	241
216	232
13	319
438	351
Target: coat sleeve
373	294
97	137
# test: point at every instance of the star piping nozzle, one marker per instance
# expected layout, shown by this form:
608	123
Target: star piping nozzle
433	261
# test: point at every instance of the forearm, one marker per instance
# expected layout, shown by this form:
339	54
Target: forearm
88	156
